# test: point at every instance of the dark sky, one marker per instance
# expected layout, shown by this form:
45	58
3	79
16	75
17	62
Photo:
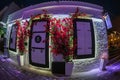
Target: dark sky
112	6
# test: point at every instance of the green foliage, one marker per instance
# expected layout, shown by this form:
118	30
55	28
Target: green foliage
2	30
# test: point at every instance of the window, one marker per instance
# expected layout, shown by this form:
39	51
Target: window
84	33
13	37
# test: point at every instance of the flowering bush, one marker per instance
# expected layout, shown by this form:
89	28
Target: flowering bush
22	34
61	33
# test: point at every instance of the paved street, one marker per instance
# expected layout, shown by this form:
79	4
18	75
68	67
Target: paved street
10	71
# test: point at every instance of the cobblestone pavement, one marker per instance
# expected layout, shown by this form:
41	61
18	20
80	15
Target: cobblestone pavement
10	71
112	72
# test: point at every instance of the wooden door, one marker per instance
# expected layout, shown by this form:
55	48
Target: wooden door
39	51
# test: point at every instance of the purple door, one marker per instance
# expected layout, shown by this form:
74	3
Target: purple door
85	38
38	46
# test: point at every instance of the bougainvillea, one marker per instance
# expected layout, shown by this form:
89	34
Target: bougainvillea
78	14
43	16
61	33
22	35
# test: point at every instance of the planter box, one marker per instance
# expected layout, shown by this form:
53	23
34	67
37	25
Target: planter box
62	68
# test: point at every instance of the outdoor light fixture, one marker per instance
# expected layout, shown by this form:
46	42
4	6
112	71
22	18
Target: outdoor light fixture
107	20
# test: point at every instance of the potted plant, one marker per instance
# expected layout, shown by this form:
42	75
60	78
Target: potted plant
22	34
62	44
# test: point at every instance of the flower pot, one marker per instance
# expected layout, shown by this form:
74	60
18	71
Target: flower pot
26	59
62	68
21	60
68	68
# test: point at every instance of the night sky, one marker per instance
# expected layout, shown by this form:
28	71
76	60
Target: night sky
112	6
